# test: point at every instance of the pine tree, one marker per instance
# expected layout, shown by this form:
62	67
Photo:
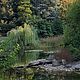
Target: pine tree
14	13
21	10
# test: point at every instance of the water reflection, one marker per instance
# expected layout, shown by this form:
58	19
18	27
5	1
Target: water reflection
30	74
49	77
35	73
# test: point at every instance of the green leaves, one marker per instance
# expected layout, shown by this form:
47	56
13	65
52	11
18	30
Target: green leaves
13	48
72	29
24	6
47	28
14	13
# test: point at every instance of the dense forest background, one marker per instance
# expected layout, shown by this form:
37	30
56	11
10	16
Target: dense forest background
44	15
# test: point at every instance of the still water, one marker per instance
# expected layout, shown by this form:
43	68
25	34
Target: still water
35	74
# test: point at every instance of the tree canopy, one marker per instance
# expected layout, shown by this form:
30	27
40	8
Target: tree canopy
72	29
13	13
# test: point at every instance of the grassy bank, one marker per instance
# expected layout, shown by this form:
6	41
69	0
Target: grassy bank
51	43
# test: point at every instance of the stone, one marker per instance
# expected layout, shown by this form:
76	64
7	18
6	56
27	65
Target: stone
55	62
51	57
63	62
39	62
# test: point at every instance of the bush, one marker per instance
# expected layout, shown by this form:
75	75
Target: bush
72	29
47	28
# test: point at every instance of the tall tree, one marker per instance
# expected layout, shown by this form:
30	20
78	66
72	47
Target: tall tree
46	9
21	10
63	6
14	13
72	29
47	13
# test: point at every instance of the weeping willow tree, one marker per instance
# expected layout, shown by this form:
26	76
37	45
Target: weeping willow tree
14	47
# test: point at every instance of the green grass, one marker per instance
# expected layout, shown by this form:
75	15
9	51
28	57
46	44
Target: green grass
51	43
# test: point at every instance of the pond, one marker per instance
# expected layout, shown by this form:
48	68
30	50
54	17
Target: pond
35	73
39	76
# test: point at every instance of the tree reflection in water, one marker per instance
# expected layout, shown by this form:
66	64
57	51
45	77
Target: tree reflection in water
38	74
